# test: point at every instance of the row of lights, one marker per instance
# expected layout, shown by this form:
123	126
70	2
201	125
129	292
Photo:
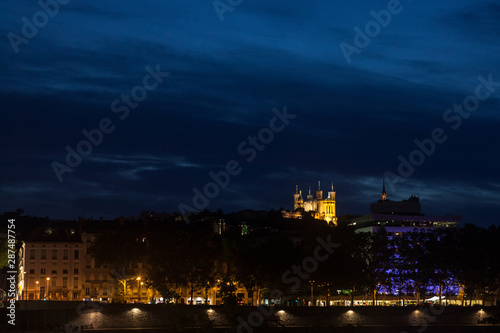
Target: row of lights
47	285
48	279
210	311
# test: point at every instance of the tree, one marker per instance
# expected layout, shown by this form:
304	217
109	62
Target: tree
180	255
248	260
346	267
4	257
120	248
228	291
471	260
378	257
479	265
199	266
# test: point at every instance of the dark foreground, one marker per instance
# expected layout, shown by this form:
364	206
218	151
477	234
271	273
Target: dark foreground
373	329
347	329
94	317
342	329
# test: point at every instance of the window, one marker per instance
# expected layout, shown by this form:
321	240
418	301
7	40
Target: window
75	284
96	276
65	282
54	254
87	291
32	254
44	254
77	254
32	271
105	291
65	254
42	271
54	272
87	277
65	271
53	281
75	271
87	264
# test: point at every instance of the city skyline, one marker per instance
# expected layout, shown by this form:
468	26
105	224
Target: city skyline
242	101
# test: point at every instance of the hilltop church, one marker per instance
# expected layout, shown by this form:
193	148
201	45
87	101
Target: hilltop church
320	208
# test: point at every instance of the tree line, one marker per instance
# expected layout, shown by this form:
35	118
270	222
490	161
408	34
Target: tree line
426	261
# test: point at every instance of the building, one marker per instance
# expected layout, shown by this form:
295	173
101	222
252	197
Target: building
400	219
400	216
51	269
319	207
58	265
410	206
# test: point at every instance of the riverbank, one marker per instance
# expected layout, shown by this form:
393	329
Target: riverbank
110	318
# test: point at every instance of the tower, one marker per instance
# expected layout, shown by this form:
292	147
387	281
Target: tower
331	194
320	208
319	193
296	197
310	196
384	193
329	207
298	201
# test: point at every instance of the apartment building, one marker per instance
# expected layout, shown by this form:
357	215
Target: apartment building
60	267
51	270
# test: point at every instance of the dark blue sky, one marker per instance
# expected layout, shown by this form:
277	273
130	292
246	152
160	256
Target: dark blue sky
355	115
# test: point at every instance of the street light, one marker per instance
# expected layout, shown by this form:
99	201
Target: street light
139	284
47	288
124	282
312	295
37	287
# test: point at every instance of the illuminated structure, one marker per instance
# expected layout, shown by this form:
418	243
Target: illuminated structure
400	216
410	206
320	208
61	268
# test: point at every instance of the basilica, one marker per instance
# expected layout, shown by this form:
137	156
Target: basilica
319	207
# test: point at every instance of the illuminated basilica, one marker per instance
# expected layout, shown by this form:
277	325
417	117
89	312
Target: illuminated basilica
320	208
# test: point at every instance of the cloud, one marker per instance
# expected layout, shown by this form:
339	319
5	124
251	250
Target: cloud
353	120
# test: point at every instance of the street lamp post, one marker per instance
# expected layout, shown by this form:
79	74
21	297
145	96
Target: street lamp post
124	282
312	292
47	288
124	291
139	284
37	287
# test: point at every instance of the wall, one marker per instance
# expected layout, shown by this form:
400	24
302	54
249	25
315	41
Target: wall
36	315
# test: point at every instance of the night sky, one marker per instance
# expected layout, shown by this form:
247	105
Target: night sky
350	94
